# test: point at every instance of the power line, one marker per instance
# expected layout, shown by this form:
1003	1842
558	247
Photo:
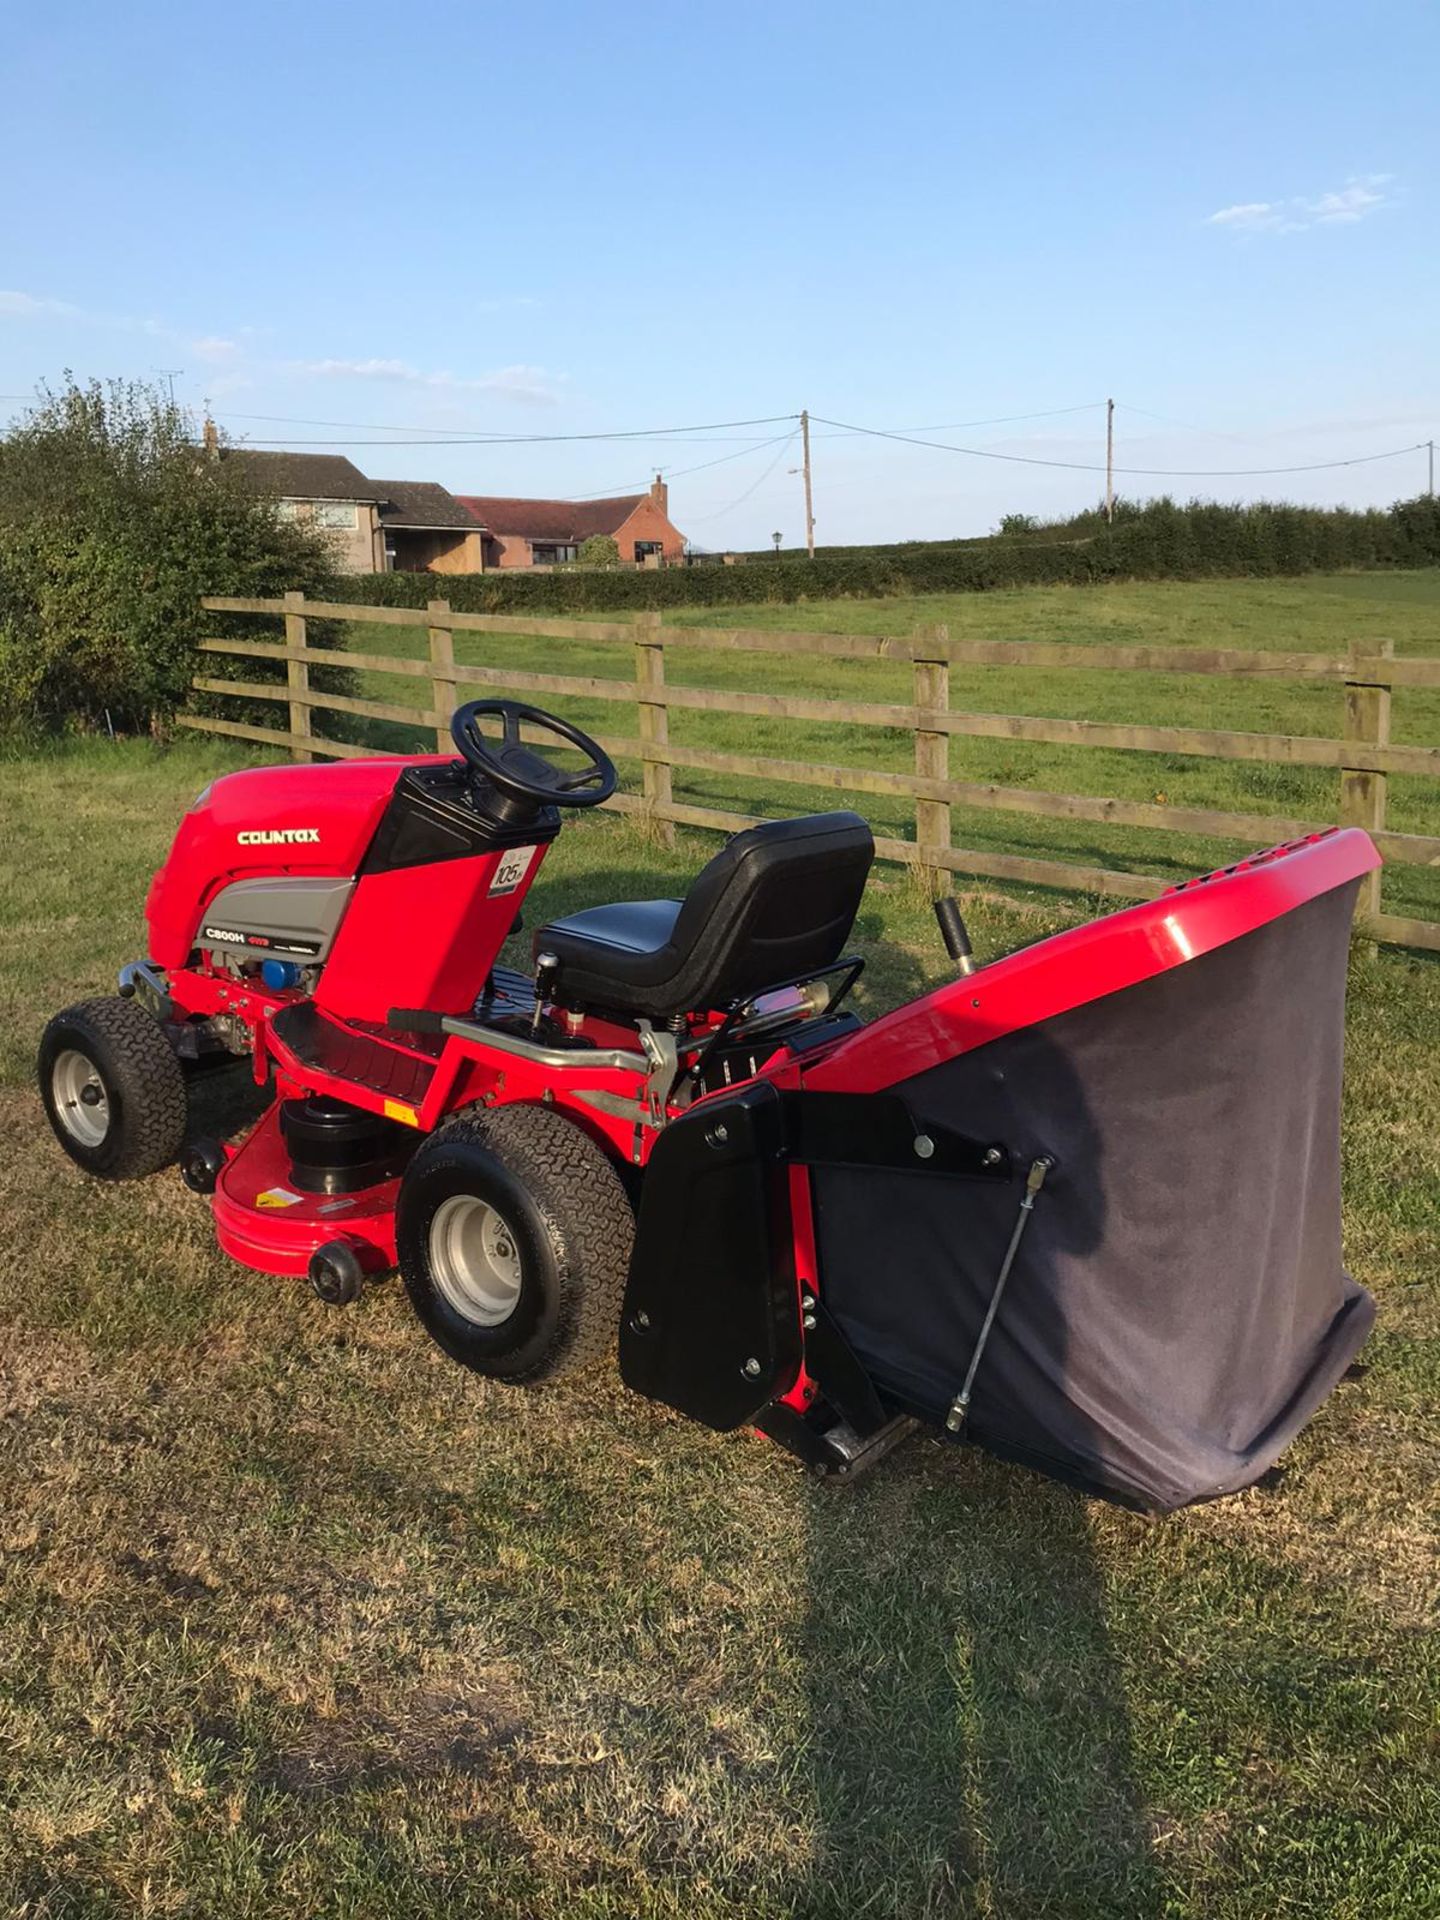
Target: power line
705	518
506	439
679	473
1090	466
1185	426
995	420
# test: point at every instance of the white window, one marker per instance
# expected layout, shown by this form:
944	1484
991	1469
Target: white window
289	509
335	513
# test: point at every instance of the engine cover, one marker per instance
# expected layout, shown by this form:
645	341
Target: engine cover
294	918
265	823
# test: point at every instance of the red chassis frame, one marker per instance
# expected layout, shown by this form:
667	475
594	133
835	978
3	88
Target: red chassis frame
421	1077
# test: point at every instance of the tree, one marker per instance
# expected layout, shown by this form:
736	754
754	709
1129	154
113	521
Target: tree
113	522
600	550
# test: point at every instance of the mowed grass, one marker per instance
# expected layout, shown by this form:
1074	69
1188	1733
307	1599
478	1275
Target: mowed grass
296	1618
1322	614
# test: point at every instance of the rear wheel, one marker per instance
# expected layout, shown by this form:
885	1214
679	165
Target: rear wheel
514	1238
113	1089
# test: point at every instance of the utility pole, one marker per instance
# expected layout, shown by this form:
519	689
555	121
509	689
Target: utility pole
809	502
169	375
1430	448
1110	461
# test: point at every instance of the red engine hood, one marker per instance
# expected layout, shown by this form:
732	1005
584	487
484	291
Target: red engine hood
268	820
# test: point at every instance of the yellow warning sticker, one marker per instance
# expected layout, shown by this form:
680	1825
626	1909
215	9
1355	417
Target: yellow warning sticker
278	1197
397	1110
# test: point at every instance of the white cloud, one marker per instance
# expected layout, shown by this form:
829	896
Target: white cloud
34	306
210	347
360	369
1362	194
532	385
1249	215
529	385
1354	200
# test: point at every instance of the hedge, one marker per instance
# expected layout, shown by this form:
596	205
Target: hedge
1159	540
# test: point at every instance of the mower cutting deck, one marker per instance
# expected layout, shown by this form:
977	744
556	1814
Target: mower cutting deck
1080	1205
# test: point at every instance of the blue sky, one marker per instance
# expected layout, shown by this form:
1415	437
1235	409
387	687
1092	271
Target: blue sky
575	219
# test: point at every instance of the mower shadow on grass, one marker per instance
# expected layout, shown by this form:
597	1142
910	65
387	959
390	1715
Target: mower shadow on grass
971	1747
224	1101
971	1744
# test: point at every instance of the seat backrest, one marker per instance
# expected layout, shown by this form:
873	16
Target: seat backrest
776	901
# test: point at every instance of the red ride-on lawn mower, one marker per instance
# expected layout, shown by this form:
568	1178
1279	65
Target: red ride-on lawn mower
1080	1205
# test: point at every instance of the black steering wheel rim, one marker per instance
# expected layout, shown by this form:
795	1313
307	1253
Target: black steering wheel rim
591	787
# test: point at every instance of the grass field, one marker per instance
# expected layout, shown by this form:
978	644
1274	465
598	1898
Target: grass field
1316	614
296	1618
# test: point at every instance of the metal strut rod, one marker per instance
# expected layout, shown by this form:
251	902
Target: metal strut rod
1034	1180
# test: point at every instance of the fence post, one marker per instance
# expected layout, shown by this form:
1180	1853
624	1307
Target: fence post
1367	723
442	654
932	757
654	722
297	672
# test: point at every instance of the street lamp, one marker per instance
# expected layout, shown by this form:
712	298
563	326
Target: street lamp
777	538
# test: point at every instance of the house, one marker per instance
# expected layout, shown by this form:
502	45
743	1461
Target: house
379	526
324	488
417	526
545	533
427	530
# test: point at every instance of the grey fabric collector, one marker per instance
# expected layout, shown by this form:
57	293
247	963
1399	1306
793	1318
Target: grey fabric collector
1180	1306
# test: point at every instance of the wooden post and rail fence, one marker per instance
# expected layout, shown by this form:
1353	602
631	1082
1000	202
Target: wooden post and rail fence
1364	757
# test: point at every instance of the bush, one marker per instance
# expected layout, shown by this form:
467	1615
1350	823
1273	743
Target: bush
599	550
1156	540
113	523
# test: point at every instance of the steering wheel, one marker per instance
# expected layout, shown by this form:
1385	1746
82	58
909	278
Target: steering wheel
520	774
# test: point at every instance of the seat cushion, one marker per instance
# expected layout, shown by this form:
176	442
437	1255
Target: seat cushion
629	941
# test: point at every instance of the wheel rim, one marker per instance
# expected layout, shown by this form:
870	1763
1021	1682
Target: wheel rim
475	1259
82	1100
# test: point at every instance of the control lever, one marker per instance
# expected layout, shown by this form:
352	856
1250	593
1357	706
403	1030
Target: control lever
955	935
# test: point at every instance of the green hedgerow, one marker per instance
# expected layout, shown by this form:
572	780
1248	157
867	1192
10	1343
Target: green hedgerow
113	523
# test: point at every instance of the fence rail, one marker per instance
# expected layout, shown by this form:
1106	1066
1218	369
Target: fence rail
1363	757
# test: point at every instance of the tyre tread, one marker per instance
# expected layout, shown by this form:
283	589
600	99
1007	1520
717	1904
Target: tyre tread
153	1099
589	1214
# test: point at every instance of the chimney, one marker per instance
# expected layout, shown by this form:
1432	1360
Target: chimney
660	494
212	440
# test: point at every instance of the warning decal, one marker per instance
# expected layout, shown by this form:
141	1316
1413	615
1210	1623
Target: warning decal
278	1197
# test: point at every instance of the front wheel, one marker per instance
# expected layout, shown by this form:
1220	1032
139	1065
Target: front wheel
514	1237
113	1089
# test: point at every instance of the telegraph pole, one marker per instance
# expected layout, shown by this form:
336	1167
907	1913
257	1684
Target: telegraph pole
805	468
1430	448
169	375
1110	461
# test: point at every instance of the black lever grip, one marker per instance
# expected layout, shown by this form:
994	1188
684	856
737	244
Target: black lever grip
953	932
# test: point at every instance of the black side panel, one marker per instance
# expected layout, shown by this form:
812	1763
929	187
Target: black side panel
711	1287
434	814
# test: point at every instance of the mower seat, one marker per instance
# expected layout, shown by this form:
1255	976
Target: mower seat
776	902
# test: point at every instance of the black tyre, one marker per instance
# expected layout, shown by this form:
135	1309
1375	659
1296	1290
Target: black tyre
113	1089
514	1237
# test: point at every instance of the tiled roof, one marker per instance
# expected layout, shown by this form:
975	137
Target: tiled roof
302	476
557	520
420	503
